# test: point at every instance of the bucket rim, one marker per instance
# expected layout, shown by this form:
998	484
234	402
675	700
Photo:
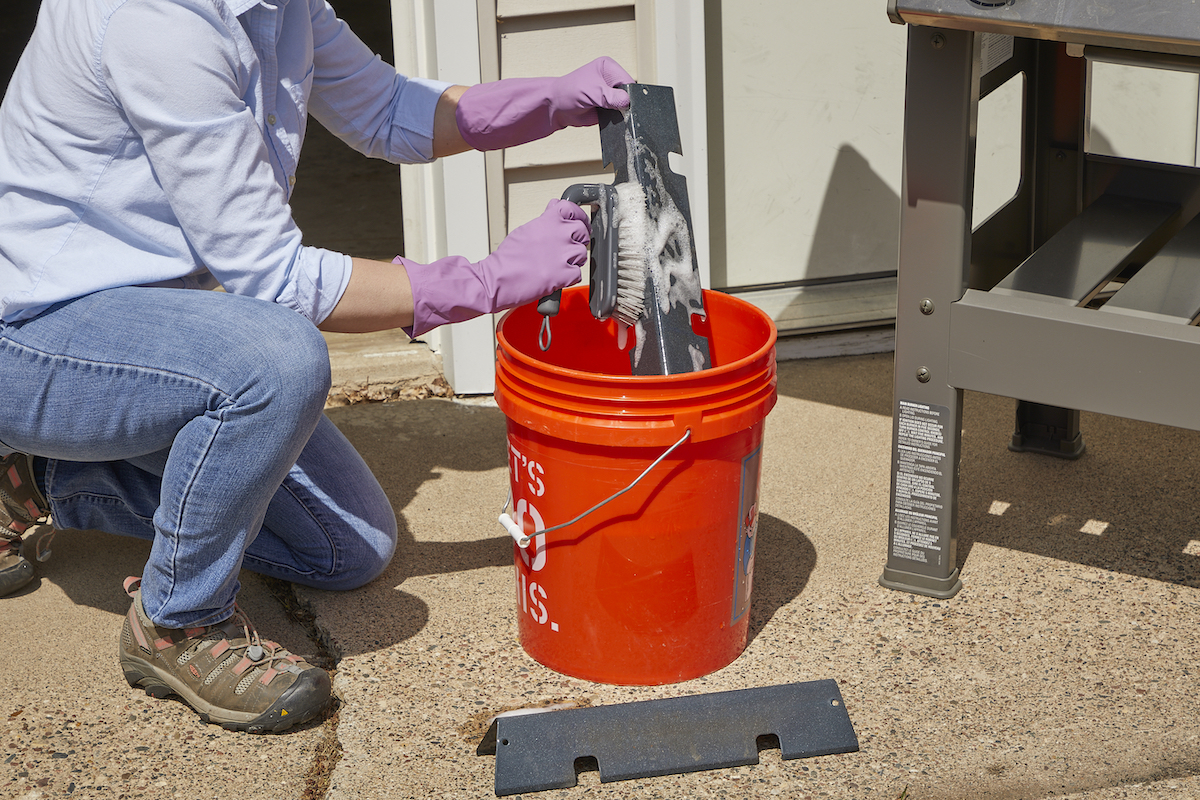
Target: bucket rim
509	351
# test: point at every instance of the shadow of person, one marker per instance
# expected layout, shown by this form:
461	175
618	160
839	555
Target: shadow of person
88	567
443	467
409	447
784	558
412	444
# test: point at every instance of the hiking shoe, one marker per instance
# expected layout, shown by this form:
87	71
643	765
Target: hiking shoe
21	506
15	571
21	502
225	672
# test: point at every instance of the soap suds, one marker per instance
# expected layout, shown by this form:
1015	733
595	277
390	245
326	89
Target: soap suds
664	230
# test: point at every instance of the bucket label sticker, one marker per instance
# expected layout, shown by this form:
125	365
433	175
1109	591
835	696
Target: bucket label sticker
921	483
526	476
747	533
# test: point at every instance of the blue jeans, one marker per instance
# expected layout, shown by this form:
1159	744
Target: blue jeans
194	419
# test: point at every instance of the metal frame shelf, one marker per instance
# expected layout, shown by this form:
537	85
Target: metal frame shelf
1082	293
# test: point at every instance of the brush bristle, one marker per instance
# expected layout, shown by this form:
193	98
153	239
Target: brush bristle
631	282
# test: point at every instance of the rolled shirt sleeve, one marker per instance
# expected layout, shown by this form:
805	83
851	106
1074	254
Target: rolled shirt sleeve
363	100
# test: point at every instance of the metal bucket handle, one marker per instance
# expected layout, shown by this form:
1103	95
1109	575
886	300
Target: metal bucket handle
522	539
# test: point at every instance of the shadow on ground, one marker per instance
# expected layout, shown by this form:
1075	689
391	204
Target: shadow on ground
784	558
863	383
1126	505
1115	508
413	448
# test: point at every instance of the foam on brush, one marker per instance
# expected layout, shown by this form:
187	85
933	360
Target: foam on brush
633	225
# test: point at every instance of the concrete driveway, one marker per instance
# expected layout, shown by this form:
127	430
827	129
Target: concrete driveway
1065	667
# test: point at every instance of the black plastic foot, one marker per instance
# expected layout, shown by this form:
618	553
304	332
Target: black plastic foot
1048	430
926	585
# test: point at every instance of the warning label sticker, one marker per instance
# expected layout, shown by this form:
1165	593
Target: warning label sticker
994	50
747	534
922	485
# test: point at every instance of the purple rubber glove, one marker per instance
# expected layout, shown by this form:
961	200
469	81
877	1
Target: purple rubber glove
544	254
518	110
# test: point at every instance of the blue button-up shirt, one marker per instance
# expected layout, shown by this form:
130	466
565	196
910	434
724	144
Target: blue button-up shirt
155	142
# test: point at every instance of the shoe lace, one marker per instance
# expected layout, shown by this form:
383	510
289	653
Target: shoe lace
262	652
41	545
9	539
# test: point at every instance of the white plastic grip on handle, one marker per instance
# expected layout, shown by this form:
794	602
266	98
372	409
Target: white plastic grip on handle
516	533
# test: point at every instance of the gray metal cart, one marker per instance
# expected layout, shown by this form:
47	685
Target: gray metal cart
1083	292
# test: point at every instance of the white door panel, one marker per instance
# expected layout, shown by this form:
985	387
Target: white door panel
814	100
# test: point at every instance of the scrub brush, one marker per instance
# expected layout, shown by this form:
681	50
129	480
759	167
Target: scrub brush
617	280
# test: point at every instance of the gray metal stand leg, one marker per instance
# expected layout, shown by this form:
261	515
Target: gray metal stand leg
940	107
1054	146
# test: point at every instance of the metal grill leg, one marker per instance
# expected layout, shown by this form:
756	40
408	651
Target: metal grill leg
940	108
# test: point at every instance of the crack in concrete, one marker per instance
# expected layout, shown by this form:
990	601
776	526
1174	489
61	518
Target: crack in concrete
329	750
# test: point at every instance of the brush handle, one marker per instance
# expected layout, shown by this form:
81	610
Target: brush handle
584	194
581	194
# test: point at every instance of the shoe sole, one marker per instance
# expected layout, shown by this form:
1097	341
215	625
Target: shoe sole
283	713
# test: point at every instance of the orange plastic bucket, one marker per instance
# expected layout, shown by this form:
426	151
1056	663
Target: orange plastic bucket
653	587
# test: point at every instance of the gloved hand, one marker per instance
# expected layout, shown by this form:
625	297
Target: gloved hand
544	254
518	110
